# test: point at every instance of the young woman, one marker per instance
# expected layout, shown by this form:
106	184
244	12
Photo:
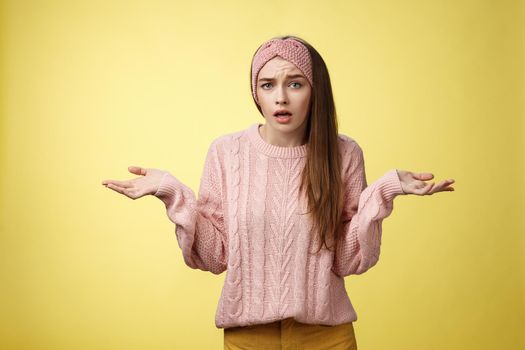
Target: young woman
284	207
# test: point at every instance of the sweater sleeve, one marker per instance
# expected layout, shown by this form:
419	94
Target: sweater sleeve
365	207
199	223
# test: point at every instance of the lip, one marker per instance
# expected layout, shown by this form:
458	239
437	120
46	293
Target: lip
281	111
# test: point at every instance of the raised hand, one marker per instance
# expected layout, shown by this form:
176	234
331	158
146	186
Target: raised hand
414	183
147	183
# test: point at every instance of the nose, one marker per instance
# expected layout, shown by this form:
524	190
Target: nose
281	97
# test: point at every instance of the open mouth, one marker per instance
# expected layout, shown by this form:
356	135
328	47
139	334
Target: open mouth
282	113
283	117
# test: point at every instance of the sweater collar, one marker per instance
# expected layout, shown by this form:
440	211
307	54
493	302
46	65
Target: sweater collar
273	150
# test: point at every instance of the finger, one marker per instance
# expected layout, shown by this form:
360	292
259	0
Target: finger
124	184
443	186
121	190
450	182
137	170
439	186
440	189
431	188
116	188
447	189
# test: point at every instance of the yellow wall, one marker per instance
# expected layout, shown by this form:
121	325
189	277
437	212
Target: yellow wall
89	88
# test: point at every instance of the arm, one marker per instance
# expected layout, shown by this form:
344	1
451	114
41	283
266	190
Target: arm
200	227
365	208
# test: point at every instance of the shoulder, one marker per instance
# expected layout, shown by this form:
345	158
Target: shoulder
230	141
349	146
224	144
352	158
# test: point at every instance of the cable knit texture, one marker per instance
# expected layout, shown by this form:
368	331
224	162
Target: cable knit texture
249	221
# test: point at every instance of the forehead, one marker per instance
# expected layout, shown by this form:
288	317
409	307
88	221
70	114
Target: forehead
278	65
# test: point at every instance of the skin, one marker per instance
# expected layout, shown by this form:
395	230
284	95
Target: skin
279	92
283	92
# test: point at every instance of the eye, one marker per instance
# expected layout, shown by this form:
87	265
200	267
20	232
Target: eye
263	85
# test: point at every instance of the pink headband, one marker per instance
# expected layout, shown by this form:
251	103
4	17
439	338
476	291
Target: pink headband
289	49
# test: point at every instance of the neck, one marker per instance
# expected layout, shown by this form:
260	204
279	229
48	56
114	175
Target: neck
276	138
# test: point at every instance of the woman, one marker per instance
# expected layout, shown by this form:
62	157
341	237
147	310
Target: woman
284	208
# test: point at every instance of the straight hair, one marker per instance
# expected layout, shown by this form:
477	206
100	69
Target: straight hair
321	177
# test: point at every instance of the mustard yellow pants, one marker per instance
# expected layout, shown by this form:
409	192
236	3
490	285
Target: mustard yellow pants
289	334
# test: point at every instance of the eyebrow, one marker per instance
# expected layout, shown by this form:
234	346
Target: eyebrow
288	76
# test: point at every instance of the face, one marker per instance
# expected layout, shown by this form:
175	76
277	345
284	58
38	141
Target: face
281	85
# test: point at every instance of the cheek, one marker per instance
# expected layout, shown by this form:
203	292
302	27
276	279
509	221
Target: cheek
306	101
264	104
265	107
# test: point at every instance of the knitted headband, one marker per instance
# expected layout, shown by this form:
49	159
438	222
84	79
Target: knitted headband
290	50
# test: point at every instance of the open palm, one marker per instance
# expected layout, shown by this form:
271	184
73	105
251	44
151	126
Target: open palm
147	183
414	183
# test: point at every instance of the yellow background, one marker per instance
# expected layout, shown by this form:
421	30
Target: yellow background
91	87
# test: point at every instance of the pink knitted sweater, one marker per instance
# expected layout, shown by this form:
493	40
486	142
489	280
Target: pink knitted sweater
247	221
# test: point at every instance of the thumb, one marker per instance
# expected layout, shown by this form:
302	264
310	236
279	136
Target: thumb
424	176
137	170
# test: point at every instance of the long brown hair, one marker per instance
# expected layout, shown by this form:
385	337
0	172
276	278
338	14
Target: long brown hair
321	177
